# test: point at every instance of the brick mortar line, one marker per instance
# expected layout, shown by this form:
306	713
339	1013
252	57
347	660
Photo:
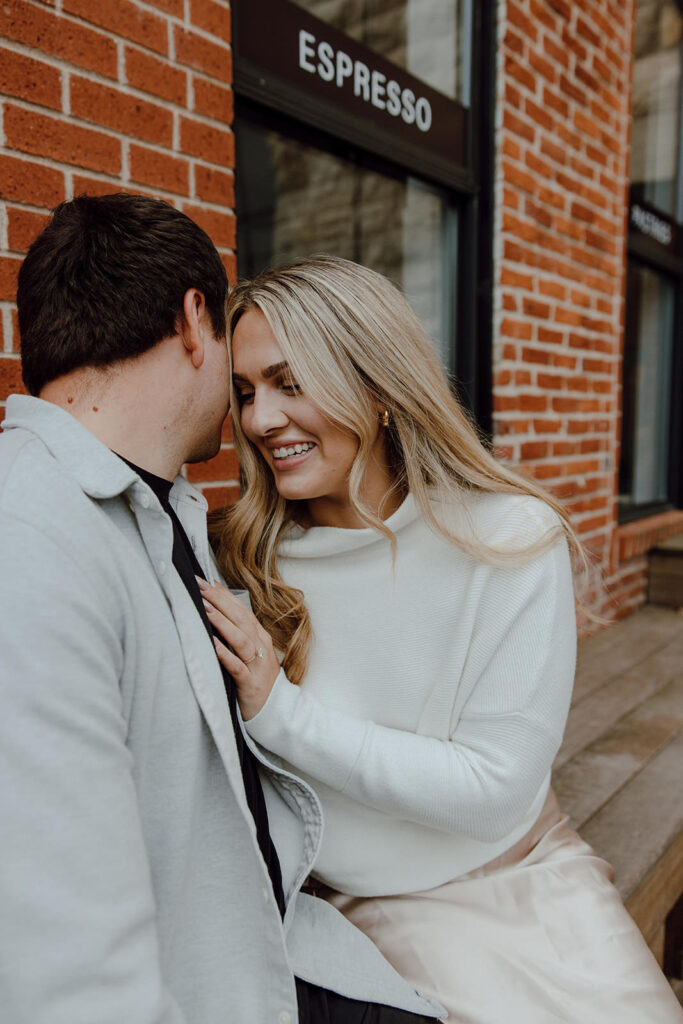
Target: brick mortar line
522	415
119	84
558	88
124	88
16	204
551	135
215	483
78	122
534	248
7	328
165	16
105	33
563	371
572	77
535	150
528	220
540	297
106	179
552	301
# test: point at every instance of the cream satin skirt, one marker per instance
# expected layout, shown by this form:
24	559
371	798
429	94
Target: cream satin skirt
538	936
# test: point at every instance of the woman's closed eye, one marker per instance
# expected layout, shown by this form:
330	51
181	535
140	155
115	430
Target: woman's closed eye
290	387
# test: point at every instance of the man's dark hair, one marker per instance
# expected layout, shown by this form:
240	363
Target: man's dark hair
105	281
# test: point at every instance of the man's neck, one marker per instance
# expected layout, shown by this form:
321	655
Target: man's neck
123	418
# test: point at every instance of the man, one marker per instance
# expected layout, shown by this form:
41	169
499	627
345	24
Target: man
151	858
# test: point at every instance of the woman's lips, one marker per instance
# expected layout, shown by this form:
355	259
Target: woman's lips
287	456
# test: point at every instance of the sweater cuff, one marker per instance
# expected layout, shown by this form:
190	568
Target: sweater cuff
318	741
279	705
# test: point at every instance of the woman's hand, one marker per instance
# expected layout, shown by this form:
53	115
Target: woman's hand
252	662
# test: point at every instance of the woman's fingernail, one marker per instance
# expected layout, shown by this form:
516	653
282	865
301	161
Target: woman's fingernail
209	607
202	584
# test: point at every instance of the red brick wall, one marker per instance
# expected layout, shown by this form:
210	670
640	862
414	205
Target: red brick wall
114	95
564	91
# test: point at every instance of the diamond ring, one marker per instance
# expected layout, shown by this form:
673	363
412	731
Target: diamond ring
258	653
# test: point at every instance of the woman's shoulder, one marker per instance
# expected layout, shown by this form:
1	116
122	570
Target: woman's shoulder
506	521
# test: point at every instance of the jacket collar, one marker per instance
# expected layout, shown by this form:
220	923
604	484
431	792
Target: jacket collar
99	472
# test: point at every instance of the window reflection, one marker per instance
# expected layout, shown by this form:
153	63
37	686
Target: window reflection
655	158
294	200
643	476
425	37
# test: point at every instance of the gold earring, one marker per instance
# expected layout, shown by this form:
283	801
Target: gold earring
384	418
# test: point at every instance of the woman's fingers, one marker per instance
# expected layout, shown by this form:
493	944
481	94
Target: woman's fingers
230	606
252	661
242	645
228	659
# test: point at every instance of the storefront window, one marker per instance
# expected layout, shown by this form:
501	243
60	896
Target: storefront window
657	85
294	199
357	134
647	388
650	442
428	38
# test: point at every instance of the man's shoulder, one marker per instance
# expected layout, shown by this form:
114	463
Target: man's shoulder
35	488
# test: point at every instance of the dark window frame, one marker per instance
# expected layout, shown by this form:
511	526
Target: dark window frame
646	252
642	252
470	186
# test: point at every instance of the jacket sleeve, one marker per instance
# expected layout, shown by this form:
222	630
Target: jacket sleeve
482	780
78	939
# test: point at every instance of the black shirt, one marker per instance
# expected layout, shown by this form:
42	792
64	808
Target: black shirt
187	566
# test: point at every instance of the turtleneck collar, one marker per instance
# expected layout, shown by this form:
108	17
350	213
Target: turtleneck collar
320	541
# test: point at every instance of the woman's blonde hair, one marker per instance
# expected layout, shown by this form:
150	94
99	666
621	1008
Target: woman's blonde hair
352	341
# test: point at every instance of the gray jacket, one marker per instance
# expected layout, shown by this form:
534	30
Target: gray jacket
132	889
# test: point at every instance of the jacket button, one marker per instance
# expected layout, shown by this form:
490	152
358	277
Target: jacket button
162	568
144	500
284	1017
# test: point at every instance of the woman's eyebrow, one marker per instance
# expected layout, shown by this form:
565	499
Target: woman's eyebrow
270	371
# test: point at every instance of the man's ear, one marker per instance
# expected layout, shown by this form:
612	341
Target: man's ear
190	329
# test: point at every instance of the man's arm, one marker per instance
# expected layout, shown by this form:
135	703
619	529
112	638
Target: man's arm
78	937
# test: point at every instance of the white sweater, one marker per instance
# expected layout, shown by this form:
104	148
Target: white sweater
436	696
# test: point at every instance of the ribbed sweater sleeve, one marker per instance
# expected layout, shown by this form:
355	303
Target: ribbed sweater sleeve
484	777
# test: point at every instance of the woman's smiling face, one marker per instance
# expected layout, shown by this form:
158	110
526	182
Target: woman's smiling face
309	455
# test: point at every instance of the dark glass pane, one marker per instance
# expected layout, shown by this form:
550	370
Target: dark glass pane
294	199
428	38
647	367
655	154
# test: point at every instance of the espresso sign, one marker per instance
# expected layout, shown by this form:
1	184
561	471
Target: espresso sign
365	83
288	45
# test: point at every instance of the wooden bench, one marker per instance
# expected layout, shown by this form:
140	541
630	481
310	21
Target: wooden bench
619	773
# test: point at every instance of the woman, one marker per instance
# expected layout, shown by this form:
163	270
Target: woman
420	596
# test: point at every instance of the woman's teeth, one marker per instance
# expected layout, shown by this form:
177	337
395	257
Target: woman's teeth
296	449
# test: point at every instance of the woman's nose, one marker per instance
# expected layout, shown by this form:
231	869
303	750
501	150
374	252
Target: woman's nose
267	413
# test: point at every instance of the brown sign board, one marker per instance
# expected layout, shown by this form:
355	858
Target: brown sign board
287	45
